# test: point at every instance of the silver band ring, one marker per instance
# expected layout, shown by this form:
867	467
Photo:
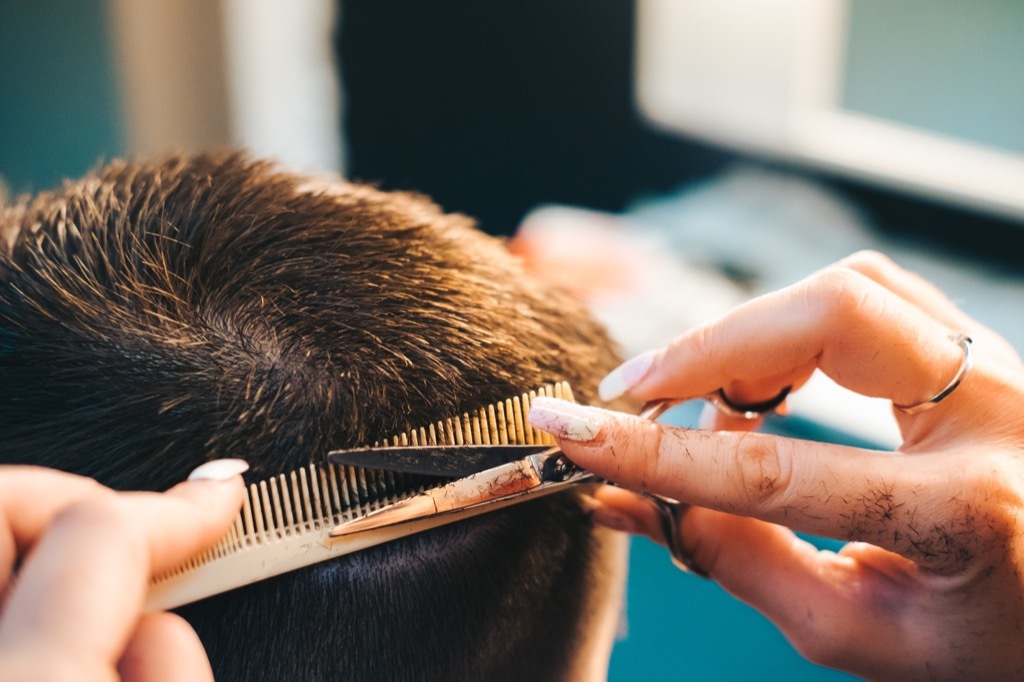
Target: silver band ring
965	366
747	411
671	514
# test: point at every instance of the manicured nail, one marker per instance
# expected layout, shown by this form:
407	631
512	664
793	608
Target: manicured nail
625	376
565	419
219	470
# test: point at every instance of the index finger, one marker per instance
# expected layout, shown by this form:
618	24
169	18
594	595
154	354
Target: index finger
918	507
81	588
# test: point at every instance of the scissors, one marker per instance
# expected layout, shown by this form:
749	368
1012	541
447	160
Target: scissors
490	475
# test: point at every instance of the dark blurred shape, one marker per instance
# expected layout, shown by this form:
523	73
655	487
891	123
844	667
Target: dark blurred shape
960	232
493	108
60	110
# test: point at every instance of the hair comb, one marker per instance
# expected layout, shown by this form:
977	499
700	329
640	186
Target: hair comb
287	520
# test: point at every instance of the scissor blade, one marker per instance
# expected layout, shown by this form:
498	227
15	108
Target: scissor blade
435	460
505	482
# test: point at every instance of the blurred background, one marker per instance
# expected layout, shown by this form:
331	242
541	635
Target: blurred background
706	152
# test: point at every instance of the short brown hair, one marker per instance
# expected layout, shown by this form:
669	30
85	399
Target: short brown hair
156	315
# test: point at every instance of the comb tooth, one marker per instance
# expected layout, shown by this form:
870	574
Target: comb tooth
390	485
478	430
361	486
370	483
487	426
542	437
225	544
353	486
343	480
375	484
257	512
564	391
404	440
236	536
512	410
477	436
374	479
296	499
455	428
325	493
382	483
380	487
332	470
315	490
432	436
539	437
306	508
268	510
492	424
239	530
531	434
502	424
286	503
247	515
275	498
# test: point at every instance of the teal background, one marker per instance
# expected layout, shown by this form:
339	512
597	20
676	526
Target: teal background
59	107
681	627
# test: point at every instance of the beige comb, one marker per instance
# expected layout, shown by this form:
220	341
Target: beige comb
285	522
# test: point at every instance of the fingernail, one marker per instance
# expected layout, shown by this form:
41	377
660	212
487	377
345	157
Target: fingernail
219	470
625	376
610	518
565	419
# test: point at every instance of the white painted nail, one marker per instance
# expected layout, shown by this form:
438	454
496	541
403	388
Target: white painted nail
625	376
219	470
566	419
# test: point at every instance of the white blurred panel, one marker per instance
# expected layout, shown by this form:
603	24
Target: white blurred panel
282	84
767	77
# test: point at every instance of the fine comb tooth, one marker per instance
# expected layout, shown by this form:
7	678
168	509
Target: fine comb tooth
315	489
502	424
286	502
280	524
285	520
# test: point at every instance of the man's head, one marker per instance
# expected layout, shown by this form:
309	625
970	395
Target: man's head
154	316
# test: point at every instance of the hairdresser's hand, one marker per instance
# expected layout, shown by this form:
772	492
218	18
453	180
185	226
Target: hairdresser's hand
75	563
933	585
